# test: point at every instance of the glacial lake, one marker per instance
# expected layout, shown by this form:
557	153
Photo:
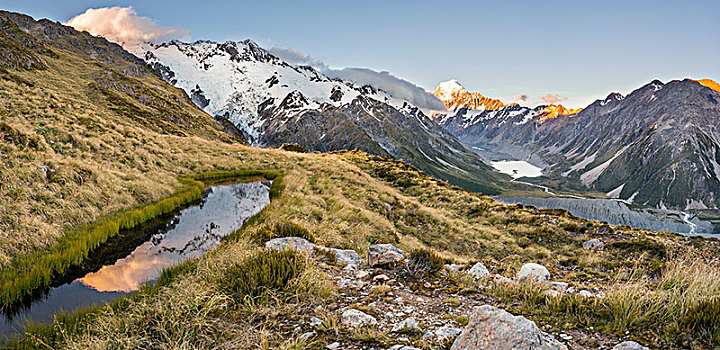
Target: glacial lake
138	255
517	168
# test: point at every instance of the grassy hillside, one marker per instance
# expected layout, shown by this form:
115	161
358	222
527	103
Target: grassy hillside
82	139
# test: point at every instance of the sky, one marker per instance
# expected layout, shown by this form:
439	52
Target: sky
572	51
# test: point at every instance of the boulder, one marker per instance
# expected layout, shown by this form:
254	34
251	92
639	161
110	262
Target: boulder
593	244
491	328
532	272
294	243
347	256
357	318
629	345
478	271
382	254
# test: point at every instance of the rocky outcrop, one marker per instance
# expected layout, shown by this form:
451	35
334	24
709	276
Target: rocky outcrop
491	328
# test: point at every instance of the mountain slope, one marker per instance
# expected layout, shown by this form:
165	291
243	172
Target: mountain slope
658	146
86	128
274	102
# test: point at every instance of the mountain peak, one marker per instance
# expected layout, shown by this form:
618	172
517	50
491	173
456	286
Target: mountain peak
455	96
708	83
554	111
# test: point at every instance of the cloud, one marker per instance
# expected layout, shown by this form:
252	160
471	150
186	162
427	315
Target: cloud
396	87
550	98
296	57
521	97
123	26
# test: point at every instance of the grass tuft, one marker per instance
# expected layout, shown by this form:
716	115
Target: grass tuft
267	270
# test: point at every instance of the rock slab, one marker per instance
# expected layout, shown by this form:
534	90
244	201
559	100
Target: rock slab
382	254
491	328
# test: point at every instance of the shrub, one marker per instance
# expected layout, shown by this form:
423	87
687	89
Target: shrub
293	147
266	270
280	230
425	261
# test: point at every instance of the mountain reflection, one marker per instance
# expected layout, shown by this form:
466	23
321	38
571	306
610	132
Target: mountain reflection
194	231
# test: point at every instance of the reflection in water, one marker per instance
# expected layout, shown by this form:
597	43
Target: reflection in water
191	233
195	231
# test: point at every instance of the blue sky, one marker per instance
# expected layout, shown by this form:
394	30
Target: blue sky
579	50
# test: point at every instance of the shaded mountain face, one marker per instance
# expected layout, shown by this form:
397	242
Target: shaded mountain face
273	102
658	146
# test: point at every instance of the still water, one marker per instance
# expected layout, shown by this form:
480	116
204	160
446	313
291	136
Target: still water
137	256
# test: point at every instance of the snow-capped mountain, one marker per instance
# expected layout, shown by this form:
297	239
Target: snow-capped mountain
657	146
274	102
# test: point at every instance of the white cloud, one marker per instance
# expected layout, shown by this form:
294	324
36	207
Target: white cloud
297	58
396	87
123	26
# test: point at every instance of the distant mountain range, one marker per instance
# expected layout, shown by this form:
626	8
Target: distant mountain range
274	102
658	146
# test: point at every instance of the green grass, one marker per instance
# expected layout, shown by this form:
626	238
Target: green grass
267	270
281	230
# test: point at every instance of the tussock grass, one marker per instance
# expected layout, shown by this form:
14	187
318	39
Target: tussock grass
267	270
424	262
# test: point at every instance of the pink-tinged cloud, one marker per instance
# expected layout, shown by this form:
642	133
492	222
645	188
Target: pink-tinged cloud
521	97
550	98
123	26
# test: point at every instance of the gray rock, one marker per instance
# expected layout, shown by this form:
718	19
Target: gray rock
453	267
408	323
357	318
629	345
314	321
478	271
402	347
561	286
444	333
308	335
532	272
593	244
491	328
347	256
294	243
585	294
333	346
381	254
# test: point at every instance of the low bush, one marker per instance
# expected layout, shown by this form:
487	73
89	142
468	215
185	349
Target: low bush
267	270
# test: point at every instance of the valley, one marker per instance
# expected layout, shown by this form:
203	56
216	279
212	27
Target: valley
213	195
